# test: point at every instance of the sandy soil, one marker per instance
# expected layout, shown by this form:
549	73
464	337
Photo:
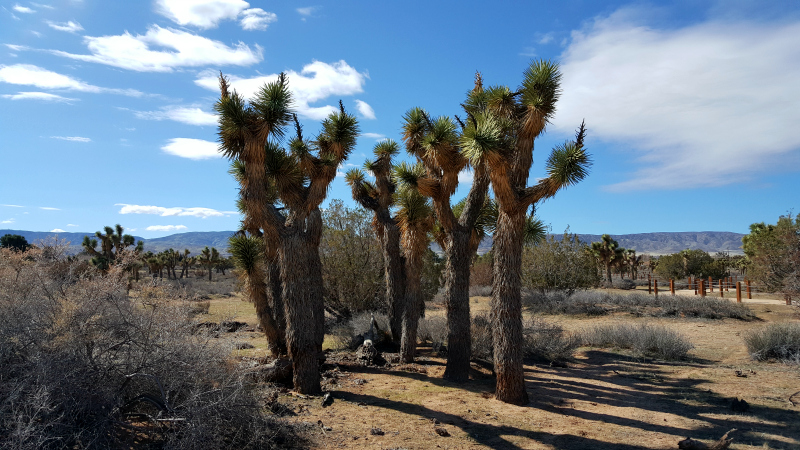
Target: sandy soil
602	400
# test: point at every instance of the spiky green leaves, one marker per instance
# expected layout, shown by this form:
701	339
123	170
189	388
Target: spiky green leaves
415	125
273	104
386	149
234	117
541	87
339	133
481	137
568	164
246	251
407	176
535	230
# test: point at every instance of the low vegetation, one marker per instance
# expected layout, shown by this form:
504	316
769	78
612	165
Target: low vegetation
779	341
644	340
598	303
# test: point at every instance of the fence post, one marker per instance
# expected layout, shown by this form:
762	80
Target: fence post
738	292
655	285
702	287
749	291
711	285
786	297
649	285
721	292
695	285
672	286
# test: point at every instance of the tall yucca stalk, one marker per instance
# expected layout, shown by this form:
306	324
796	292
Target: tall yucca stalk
379	198
512	121
437	144
300	177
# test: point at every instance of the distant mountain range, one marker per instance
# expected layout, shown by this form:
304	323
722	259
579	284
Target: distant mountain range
649	243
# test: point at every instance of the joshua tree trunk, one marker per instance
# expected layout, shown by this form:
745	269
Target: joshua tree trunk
275	295
507	308
459	341
259	296
608	271
301	272
413	309
395	278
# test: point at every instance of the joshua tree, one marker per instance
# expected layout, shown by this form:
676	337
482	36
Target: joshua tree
415	220
301	179
111	243
605	252
186	262
501	130
248	255
439	146
208	259
379	198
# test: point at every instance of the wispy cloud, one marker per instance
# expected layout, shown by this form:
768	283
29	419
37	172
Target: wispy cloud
203	213
721	96
23	9
306	11
11	220
256	19
49	208
69	26
71	225
376	136
190	115
192	148
72	138
13	206
30	75
317	81
165	227
43	96
164	50
365	110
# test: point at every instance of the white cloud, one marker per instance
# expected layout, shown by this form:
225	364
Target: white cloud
49	208
202	213
317	81
705	105
376	136
200	13
466	176
13	206
256	19
306	11
57	230
23	9
165	227
72	138
546	39
365	110
38	96
12	220
192	148
71	225
69	26
183	114
17	48
41	5
162	50
30	75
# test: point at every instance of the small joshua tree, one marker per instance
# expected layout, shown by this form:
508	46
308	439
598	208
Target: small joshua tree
111	243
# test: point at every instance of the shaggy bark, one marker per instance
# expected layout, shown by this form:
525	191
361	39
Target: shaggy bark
507	308
275	298
413	306
259	296
301	272
395	278
459	338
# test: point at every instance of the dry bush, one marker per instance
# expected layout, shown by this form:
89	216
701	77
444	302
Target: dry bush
85	366
351	334
779	341
433	329
645	340
480	290
597	303
480	274
548	342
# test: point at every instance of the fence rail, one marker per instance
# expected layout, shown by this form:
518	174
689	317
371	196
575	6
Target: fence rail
703	287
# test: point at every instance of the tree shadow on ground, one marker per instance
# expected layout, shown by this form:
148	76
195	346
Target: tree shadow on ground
608	382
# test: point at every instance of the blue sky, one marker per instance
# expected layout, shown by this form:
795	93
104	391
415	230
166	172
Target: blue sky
106	107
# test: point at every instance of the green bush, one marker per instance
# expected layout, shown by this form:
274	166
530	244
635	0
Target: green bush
779	341
559	264
645	340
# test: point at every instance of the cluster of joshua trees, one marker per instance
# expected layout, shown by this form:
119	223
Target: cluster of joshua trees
282	188
610	255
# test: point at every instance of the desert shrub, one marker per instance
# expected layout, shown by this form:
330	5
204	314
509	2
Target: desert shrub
596	303
431	282
624	284
199	307
779	341
352	262
86	366
350	334
480	274
644	340
691	262
773	255
481	331
547	342
559	264
480	291
433	329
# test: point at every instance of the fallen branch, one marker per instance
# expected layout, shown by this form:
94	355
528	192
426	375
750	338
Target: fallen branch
721	444
790	398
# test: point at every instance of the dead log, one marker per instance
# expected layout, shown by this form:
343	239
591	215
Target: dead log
278	371
723	443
